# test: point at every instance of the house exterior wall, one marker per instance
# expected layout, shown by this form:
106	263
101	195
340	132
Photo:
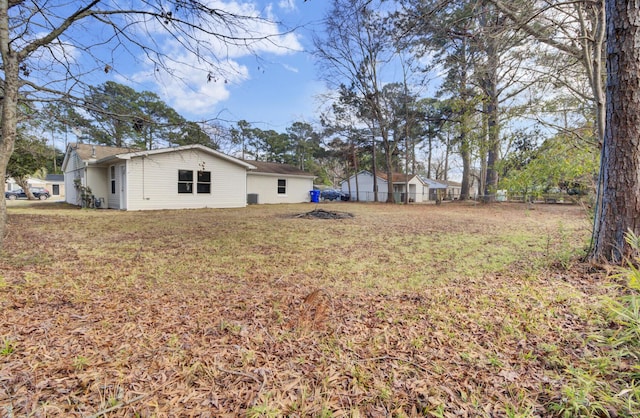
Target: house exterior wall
418	191
112	200
152	182
95	181
453	192
266	187
57	189
365	188
75	169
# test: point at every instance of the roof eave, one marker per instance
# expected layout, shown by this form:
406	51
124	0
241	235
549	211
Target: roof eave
262	173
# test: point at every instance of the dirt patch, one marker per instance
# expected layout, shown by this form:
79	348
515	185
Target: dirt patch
324	214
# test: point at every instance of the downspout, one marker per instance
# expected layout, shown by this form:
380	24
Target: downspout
143	195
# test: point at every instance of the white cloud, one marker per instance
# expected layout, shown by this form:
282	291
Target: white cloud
194	86
290	68
254	32
189	87
287	5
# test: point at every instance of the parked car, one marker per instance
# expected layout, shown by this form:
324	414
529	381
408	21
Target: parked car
331	194
38	192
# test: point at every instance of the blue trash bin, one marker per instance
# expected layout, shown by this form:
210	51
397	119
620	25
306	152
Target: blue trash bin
315	196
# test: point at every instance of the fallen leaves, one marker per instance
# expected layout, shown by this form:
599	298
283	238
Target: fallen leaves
270	322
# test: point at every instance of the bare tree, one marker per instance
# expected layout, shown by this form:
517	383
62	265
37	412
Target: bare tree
50	51
574	28
619	211
353	52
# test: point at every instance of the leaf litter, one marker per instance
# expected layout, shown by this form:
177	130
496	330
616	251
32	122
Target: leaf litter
218	313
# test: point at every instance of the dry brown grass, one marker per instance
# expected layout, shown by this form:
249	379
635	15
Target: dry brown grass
398	311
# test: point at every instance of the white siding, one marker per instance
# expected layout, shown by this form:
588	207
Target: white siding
365	187
95	177
416	190
74	170
153	181
112	200
266	187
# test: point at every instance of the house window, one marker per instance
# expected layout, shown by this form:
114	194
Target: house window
185	181
112	175
204	181
282	186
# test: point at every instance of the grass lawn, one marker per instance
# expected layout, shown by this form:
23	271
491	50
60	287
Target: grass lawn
420	310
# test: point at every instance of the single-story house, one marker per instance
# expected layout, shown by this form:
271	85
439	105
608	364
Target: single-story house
417	188
190	176
277	183
52	182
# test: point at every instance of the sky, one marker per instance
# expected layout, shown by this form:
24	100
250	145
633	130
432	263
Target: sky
271	89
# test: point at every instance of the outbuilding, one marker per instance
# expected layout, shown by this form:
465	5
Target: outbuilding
402	183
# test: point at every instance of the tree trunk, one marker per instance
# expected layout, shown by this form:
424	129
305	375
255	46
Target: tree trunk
9	118
24	183
389	165
356	170
465	188
429	151
491	23
493	137
619	210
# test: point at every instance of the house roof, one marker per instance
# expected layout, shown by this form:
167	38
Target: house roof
451	183
399	177
101	154
403	178
278	168
395	177
434	184
55	177
144	153
98	152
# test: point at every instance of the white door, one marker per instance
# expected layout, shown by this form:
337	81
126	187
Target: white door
123	187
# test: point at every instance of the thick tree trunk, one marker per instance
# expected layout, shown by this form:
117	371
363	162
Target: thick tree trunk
465	187
9	129
493	136
490	87
9	104
619	210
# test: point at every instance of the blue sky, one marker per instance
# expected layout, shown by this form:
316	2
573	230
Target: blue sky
283	90
271	89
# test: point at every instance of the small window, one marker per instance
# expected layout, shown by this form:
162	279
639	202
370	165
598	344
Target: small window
112	175
204	182
185	181
282	186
